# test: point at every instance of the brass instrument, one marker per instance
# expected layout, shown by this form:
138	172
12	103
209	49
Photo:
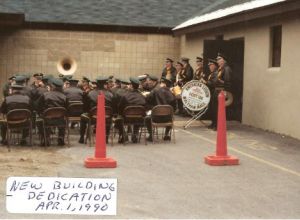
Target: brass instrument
67	66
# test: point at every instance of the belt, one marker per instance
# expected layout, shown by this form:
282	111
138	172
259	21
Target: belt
219	88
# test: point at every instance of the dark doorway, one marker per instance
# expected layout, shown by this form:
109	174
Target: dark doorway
234	51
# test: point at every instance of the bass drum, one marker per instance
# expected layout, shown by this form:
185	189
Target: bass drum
195	96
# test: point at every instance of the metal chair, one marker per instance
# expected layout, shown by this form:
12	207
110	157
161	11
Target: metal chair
134	116
75	109
165	112
92	123
18	120
51	118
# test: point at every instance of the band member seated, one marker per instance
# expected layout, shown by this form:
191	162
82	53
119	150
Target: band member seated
85	85
90	101
54	98
188	72
169	72
223	82
41	86
16	100
152	82
7	86
21	80
161	96
72	91
132	97
199	74
143	87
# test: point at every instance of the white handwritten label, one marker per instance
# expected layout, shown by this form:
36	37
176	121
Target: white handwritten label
54	195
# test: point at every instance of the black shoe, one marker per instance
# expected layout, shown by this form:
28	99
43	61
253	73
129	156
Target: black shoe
134	139
81	140
60	142
211	126
167	138
23	142
150	139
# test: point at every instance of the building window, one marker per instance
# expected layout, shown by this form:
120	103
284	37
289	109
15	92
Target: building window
275	52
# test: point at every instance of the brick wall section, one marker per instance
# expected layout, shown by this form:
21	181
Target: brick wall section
96	53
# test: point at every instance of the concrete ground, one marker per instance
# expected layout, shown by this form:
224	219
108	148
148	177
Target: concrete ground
166	180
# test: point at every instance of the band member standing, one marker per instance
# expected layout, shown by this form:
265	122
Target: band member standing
223	82
169	72
178	86
188	72
211	83
199	74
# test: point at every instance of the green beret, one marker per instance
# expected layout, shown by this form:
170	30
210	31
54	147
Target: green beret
134	80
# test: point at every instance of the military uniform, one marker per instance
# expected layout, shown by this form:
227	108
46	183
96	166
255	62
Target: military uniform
90	101
169	73
74	94
15	101
161	96
132	97
219	81
54	98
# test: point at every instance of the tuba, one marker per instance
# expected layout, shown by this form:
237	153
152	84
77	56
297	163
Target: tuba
67	66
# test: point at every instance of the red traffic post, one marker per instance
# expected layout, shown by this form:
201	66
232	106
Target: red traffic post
221	158
100	160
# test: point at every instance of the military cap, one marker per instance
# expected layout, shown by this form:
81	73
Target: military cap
37	74
66	78
102	79
84	78
212	61
199	59
12	77
73	82
47	78
124	81
166	81
153	78
143	77
20	79
185	59
57	82
110	77
181	64
17	87
134	80
169	60
221	55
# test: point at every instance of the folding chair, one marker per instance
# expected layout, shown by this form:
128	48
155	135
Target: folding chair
134	116
162	116
55	117
75	109
92	123
17	120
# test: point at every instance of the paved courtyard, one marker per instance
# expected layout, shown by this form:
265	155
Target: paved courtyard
166	180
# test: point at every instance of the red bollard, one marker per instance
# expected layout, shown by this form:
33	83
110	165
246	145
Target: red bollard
100	160
221	158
